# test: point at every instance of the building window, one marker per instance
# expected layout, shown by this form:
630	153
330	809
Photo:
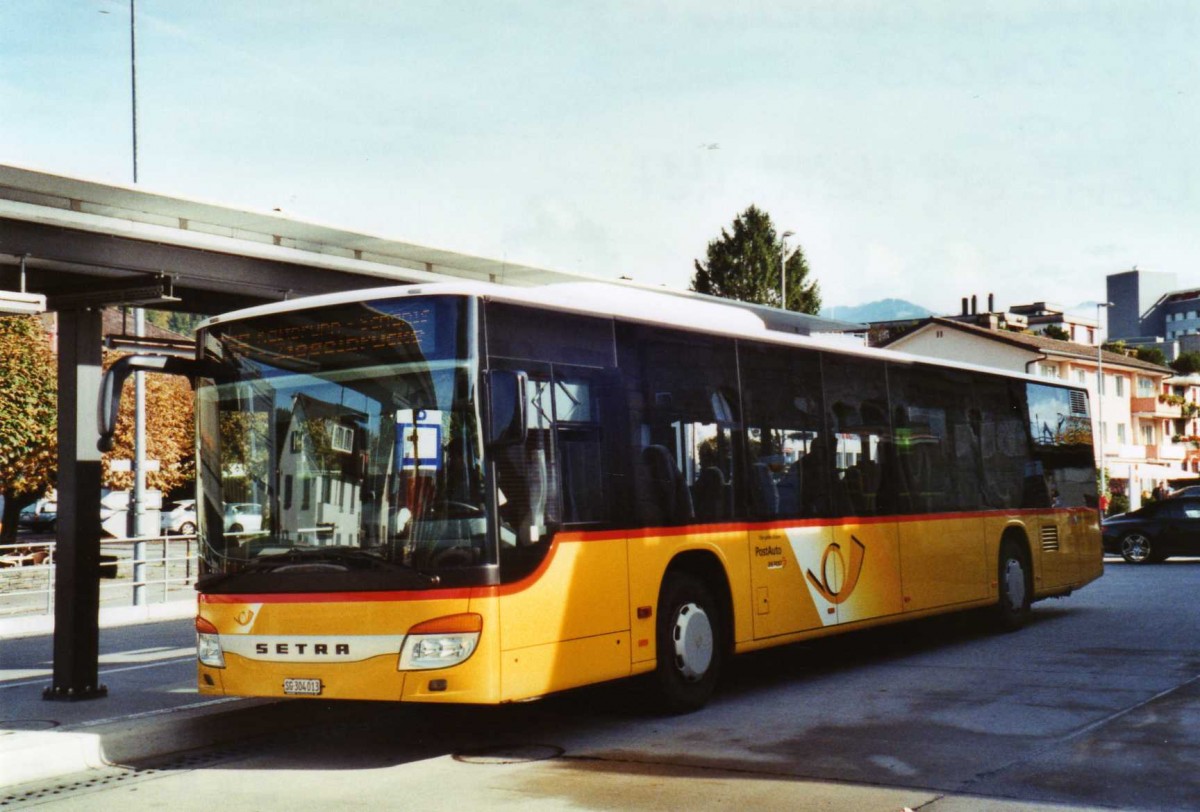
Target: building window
1145	387
1120	379
1081	376
343	439
1148	434
1121	433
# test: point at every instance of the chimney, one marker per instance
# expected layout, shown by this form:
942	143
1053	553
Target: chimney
974	305
965	306
991	303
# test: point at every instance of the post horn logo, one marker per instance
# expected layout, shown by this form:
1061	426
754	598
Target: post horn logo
844	576
244	617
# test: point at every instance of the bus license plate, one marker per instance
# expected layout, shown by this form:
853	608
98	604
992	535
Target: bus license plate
302	687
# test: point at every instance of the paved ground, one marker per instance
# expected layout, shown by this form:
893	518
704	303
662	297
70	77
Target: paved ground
1095	705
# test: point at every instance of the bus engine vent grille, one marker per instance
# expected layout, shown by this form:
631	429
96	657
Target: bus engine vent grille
1050	539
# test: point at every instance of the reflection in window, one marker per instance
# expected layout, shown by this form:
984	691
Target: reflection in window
682	391
856	405
785	440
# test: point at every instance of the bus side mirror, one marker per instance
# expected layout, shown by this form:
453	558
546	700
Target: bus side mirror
114	381
506	407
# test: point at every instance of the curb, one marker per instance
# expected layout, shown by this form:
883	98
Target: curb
28	756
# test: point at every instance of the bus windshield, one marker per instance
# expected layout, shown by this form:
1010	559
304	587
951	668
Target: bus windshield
339	449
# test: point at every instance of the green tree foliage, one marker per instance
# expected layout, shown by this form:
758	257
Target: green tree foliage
744	265
1151	355
1056	331
1188	363
28	416
182	323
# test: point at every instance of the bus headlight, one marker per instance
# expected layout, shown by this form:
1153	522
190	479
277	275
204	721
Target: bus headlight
441	642
208	644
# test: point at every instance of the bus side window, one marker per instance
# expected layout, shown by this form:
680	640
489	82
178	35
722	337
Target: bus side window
526	475
856	404
685	424
785	437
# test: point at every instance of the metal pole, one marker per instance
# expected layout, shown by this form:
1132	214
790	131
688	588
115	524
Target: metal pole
133	83
783	256
137	507
1100	395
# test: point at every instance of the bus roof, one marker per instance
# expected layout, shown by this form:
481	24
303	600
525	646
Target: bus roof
684	310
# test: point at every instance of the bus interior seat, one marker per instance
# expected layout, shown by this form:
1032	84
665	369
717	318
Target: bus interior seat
668	496
763	493
711	495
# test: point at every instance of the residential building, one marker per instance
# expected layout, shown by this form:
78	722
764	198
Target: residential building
1135	429
1041	317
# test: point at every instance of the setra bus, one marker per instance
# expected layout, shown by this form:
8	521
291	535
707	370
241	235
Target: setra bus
481	494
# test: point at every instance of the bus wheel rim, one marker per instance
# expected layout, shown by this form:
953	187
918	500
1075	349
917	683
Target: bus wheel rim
1014	583
693	638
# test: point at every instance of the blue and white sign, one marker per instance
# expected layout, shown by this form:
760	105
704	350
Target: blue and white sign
419	438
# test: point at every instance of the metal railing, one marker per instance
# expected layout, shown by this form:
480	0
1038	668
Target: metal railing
133	571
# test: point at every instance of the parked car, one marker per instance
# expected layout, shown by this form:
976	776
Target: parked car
40	517
1190	490
1156	531
179	517
243	517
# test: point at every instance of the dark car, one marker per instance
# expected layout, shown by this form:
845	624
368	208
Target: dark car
1190	490
1156	531
40	517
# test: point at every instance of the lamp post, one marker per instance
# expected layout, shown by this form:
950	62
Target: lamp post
1100	394
783	258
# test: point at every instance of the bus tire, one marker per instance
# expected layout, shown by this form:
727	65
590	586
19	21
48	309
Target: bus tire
690	644
1015	581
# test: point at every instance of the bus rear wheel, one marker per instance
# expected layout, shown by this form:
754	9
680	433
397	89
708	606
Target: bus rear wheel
1015	582
691	649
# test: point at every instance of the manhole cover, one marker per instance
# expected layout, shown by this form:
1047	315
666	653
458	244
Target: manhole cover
13	725
509	754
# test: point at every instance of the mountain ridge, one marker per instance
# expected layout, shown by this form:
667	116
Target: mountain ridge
880	310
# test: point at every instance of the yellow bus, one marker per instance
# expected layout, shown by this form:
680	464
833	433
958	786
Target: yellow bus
481	494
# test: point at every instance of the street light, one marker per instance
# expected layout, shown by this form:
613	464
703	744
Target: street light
1100	393
783	258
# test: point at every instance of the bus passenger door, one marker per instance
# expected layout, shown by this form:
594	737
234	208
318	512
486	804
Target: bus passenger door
858	575
565	622
783	599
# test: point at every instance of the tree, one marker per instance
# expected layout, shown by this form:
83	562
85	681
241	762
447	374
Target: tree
28	417
170	436
1056	331
745	266
1188	363
1151	355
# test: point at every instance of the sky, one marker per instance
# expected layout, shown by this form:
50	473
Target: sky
919	150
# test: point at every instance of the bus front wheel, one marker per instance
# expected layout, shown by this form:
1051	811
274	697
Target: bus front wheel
1015	582
690	643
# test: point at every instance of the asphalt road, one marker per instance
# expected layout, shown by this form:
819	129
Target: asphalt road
1096	704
